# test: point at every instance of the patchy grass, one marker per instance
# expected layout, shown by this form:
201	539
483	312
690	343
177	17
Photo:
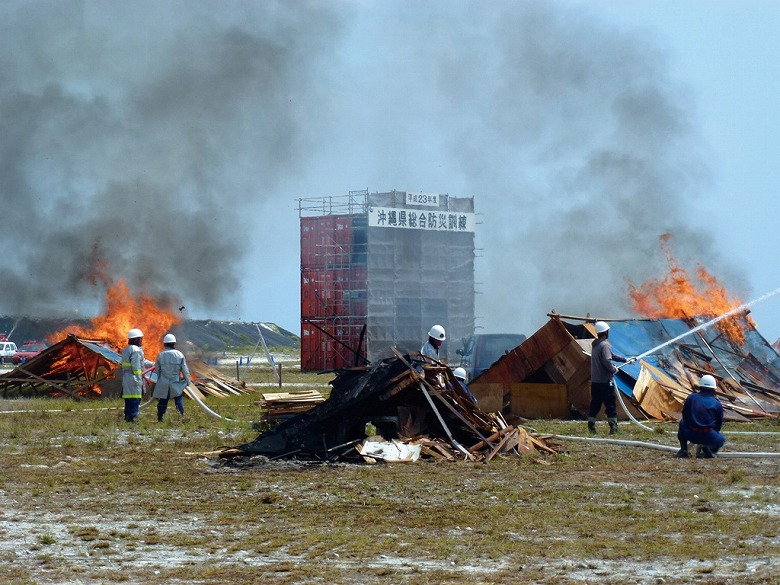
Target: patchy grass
86	498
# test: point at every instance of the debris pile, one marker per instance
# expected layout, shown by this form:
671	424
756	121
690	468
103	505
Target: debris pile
397	409
209	381
548	375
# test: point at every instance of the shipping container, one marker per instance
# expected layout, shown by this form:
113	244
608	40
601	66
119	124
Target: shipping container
378	269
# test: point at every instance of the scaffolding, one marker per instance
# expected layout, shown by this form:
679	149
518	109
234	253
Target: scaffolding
377	270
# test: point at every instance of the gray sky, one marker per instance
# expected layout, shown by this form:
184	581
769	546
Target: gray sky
167	142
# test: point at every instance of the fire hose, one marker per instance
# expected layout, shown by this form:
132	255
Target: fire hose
664	447
623	404
192	393
721	454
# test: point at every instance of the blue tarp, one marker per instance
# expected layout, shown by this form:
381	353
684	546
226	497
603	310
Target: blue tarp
726	358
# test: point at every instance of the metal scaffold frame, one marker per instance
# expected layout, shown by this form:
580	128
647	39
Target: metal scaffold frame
365	290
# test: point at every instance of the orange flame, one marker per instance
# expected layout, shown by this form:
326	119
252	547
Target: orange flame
124	312
680	296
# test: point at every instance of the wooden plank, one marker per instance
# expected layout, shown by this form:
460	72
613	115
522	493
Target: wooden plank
527	358
653	395
490	396
539	400
579	389
498	447
191	391
563	365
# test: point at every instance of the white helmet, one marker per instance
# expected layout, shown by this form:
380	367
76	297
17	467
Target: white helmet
708	381
135	334
437	332
601	326
169	338
459	373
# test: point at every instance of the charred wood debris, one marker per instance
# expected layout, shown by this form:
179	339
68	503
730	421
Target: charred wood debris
397	409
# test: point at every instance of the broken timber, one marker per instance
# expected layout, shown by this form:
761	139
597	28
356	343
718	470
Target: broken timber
392	400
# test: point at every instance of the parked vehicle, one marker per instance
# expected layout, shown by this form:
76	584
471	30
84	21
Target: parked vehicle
480	351
7	350
28	350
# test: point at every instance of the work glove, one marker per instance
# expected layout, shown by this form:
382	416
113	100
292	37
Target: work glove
631	360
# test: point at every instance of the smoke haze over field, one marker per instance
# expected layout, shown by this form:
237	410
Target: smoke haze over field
171	139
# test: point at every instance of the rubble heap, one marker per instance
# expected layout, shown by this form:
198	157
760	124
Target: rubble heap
399	408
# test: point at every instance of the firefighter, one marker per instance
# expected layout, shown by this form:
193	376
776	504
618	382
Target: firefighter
460	376
702	419
436	337
602	371
133	364
173	376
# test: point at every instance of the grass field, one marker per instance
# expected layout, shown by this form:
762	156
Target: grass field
86	498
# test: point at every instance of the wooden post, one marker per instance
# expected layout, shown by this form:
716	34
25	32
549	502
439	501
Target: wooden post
279	367
238	377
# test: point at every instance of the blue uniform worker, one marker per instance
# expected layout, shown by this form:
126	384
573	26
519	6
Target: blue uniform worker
702	419
460	376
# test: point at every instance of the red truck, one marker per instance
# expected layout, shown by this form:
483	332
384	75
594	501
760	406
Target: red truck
28	350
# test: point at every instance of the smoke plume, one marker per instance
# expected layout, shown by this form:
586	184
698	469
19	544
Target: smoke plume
159	137
135	137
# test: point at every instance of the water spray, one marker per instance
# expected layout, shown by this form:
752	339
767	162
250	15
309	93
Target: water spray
696	329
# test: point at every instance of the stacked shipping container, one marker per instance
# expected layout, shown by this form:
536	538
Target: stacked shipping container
377	270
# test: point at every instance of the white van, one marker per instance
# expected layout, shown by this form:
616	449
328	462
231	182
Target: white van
7	351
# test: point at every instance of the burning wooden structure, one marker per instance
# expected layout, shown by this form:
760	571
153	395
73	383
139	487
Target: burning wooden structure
548	375
407	400
80	368
88	368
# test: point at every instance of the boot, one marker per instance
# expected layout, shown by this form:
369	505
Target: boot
159	418
682	454
592	426
704	452
613	428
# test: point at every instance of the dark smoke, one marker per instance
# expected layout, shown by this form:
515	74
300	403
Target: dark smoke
144	135
151	133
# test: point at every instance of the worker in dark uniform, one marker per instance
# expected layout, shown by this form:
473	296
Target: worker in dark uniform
702	419
602	372
460	376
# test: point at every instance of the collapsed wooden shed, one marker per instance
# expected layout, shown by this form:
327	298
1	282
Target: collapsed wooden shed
80	368
548	375
408	399
87	368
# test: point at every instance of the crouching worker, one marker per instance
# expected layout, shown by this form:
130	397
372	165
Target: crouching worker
173	376
702	418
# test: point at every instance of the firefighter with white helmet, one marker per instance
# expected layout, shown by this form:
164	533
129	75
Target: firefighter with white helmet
702	419
602	372
436	336
460	376
173	376
133	364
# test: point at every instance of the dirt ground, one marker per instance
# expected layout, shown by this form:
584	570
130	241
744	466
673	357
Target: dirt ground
86	499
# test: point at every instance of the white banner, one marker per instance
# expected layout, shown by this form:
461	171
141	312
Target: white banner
415	219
